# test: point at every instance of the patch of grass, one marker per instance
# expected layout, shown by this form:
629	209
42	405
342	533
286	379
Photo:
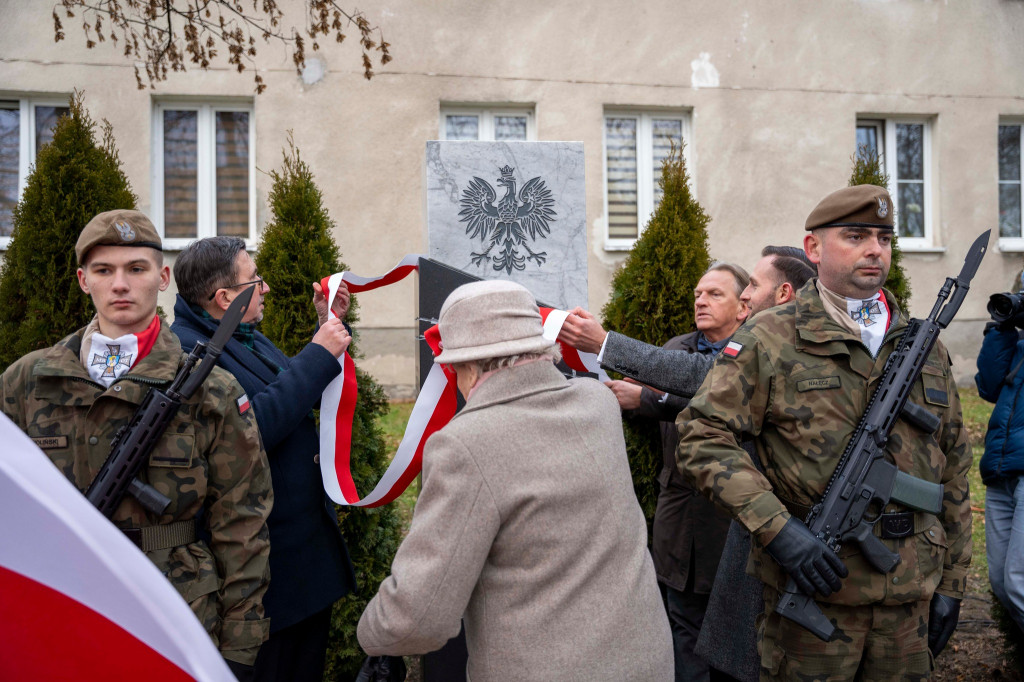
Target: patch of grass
976	415
393	425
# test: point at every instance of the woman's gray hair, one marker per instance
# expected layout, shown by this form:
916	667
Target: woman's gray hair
554	353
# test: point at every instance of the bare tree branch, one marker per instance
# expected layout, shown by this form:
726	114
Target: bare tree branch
163	35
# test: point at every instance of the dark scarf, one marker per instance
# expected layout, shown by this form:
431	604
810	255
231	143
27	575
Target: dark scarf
245	334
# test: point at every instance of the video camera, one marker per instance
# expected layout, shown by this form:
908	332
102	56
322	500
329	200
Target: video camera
1007	309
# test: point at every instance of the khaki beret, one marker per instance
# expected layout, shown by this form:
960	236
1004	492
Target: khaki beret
857	206
123	227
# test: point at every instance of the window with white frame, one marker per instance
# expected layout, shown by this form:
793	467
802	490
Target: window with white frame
203	171
487	123
25	126
635	145
904	147
1011	195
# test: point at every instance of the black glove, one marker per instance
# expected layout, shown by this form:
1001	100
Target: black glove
943	614
382	669
243	672
812	565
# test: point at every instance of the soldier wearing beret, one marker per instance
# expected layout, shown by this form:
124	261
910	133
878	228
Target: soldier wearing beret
797	382
212	541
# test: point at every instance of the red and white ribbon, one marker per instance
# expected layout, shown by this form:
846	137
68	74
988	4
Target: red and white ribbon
434	407
553	319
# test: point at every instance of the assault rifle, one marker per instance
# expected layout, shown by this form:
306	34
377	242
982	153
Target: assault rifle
134	442
865	481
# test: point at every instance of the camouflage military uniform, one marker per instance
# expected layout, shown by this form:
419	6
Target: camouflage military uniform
799	384
211	464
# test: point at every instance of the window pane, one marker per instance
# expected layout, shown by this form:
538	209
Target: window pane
867	142
1009	210
180	181
1009	152
10	146
910	151
664	134
620	145
46	119
911	209
462	127
509	128
233	173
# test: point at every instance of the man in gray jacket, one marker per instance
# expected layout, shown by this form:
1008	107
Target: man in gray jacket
689	532
681	372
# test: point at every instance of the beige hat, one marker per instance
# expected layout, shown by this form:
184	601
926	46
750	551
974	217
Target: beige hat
857	206
123	227
489	319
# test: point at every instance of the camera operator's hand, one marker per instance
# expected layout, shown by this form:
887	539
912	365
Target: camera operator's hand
809	561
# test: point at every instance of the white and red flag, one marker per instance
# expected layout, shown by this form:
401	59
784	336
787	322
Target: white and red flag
78	600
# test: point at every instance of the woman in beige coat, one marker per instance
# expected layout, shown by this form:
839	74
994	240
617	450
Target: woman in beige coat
527	525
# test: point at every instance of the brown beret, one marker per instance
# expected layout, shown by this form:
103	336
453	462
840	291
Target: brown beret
857	206
123	227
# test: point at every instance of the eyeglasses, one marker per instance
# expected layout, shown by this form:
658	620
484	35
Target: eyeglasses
258	282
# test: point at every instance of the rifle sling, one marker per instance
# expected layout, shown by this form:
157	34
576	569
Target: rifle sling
162	537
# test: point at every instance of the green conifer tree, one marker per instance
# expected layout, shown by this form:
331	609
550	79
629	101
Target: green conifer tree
652	300
73	179
867	170
297	249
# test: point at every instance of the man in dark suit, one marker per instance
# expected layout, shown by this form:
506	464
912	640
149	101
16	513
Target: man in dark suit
309	564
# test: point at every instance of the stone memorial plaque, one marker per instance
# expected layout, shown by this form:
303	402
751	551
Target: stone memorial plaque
511	210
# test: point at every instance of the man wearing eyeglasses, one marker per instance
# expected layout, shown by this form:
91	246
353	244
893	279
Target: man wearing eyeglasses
309	564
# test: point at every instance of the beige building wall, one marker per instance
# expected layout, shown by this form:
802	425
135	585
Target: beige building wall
769	139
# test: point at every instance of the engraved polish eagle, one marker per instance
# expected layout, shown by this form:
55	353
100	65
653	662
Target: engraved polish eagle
507	225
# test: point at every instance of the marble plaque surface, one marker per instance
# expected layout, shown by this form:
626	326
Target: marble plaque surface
511	210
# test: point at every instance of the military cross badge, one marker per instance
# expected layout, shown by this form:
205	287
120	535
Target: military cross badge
866	313
112	360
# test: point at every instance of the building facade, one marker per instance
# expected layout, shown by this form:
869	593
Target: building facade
771	98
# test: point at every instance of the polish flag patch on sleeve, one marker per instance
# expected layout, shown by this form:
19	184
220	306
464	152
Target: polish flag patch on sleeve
732	349
243	404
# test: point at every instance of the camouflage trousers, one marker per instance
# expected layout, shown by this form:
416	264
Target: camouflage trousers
874	643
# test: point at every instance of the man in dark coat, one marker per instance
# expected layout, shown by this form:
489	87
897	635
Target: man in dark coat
309	564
